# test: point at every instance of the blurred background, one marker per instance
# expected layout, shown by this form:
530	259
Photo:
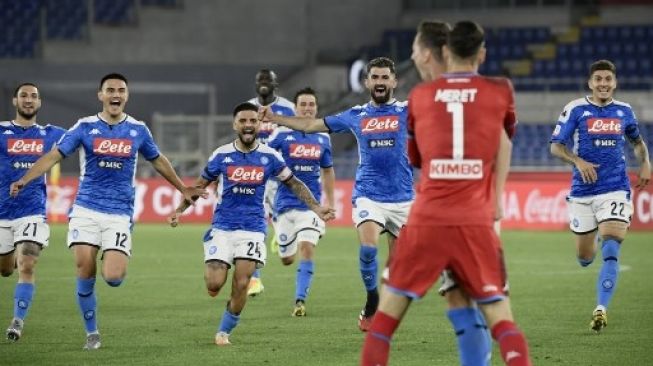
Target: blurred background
190	61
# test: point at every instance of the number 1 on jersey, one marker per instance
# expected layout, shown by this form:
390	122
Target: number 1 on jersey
456	110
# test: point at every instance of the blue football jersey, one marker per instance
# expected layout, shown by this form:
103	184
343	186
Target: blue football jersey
384	173
305	154
598	136
20	148
241	181
280	106
108	159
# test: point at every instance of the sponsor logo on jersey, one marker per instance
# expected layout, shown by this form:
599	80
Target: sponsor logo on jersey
112	147
456	169
305	151
303	168
250	191
25	146
376	143
8	132
94	131
380	124
227	160
245	174
22	164
586	114
604	126
605	143
110	164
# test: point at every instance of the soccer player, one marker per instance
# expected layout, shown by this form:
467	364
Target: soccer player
383	191
474	341
297	227
600	194
101	216
461	124
24	231
266	87
237	235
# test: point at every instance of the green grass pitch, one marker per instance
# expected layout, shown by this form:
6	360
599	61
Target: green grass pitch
161	315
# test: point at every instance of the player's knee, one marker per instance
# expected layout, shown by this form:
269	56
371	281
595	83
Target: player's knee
288	260
584	262
114	282
241	283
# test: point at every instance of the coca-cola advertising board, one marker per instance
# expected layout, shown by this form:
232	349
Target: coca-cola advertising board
531	202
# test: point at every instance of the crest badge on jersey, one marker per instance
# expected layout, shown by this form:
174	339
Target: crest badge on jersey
264	160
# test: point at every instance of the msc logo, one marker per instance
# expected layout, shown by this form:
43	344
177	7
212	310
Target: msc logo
110	164
22	164
605	143
604	126
303	168
305	151
381	143
25	146
380	124
250	191
246	174
112	147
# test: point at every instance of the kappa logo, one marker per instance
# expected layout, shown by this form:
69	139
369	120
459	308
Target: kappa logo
94	131
8	132
290	138
512	354
586	114
227	160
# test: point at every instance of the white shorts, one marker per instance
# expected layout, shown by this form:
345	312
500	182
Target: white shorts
391	216
271	188
295	226
586	213
227	246
105	231
28	228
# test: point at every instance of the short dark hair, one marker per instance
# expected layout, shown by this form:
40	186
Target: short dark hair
247	106
433	35
381	62
305	91
113	75
22	85
603	65
465	39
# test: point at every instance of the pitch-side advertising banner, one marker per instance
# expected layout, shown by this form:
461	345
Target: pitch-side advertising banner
531	201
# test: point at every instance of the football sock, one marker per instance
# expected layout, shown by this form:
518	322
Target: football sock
607	281
474	341
512	343
22	299
257	274
304	279
376	348
87	302
229	321
368	266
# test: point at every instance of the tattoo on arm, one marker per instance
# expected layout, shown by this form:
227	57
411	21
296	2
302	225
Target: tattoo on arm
301	191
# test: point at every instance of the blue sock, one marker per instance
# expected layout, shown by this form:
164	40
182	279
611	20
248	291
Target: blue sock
368	266
22	299
87	302
257	274
474	342
229	321
607	281
304	279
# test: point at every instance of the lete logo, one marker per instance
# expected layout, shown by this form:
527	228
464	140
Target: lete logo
609	126
380	124
245	174
112	147
25	146
305	151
